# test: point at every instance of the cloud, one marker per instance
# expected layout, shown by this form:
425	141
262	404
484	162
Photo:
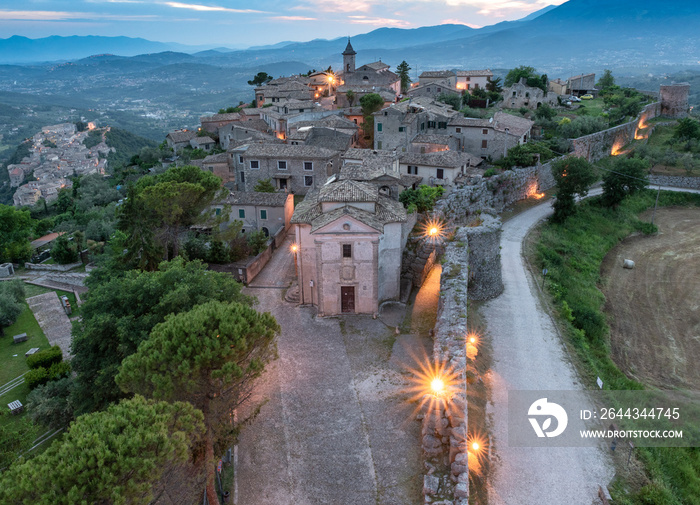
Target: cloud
364	20
293	18
208	8
64	15
459	22
342	6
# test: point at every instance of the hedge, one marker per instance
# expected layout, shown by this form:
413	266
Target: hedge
40	376
45	358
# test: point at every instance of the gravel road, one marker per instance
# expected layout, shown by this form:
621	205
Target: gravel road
528	355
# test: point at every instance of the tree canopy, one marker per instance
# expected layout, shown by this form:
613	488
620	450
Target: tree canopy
120	313
628	176
209	357
572	176
117	456
402	70
606	81
264	186
260	79
532	78
11	302
16	227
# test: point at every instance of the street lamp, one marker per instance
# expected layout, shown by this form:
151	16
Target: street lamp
330	83
294	248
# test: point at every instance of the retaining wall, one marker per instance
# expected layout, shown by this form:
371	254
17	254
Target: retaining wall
51	267
485	278
444	423
675	181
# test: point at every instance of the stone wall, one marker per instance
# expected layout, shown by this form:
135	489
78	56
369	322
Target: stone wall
51	267
444	423
675	181
497	192
599	145
485	281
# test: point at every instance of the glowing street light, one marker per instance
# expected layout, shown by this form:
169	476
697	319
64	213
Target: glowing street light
437	386
433	229
294	248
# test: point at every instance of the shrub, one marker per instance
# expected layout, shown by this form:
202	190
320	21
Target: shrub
423	198
37	377
45	358
50	405
490	172
64	251
257	241
523	110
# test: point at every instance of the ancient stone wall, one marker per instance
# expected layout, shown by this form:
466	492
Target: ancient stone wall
444	428
675	181
599	145
485	281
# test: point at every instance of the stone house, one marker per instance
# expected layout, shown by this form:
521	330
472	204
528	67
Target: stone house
283	90
380	168
218	164
213	123
333	122
558	87
292	168
180	138
472	79
440	168
239	133
446	76
490	137
521	95
321	137
434	89
203	143
350	240
432	142
268	212
395	126
371	76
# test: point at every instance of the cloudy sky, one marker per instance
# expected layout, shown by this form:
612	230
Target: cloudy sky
240	23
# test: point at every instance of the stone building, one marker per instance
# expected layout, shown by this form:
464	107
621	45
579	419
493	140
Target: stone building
380	168
213	123
472	79
350	240
582	84
674	100
239	133
489	137
558	86
180	138
218	164
434	89
440	168
283	90
445	76
521	95
268	212
395	126
293	168
369	78
205	143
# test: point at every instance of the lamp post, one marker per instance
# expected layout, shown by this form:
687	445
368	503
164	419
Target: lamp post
294	248
330	84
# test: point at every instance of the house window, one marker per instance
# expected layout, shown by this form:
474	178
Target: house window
379	127
422	126
513	94
308	165
240	159
281	165
412	170
254	165
217	212
458	130
439	90
308	180
431	124
263	214
442	125
241	213
242	176
428	90
283	183
485	131
469	79
440	173
379	145
484	144
402	129
347	250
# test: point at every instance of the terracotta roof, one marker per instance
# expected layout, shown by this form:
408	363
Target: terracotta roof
287	151
181	136
474	73
449	159
348	191
436	74
232	116
216	158
516	125
255	198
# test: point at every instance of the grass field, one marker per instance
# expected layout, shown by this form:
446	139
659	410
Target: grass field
573	253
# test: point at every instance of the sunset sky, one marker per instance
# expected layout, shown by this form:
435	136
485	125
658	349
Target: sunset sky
241	23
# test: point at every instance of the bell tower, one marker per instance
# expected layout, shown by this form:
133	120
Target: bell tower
349	59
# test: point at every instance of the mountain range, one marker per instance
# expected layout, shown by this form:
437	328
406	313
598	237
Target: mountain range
576	35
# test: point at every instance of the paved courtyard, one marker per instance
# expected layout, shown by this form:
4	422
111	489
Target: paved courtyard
53	320
335	425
